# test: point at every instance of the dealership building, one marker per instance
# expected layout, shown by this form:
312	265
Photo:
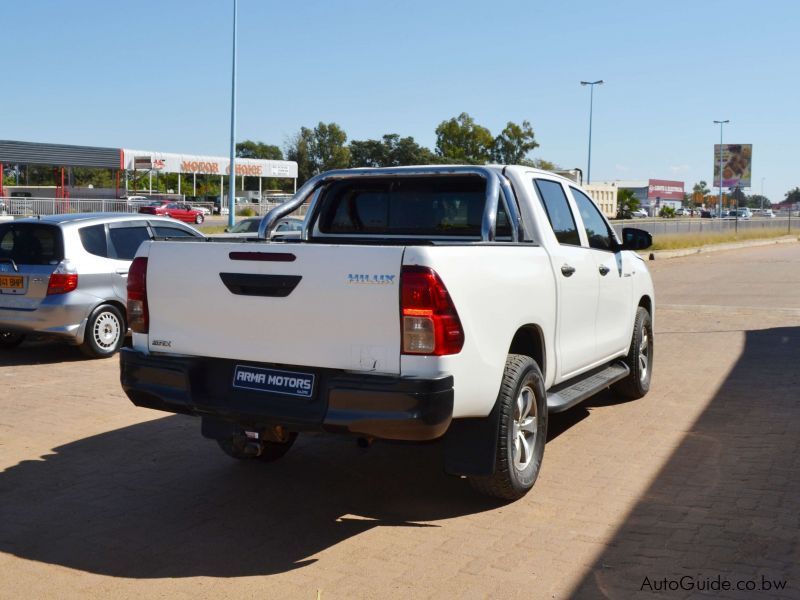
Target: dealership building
137	167
654	194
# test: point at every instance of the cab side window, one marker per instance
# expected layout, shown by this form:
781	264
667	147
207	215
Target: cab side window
558	211
597	231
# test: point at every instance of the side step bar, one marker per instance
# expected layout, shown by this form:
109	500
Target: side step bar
567	395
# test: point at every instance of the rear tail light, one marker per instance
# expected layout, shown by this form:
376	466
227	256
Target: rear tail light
138	315
430	323
63	280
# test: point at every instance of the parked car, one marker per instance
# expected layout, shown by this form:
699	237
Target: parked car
203	210
64	276
706	214
640	213
768	213
427	302
249	227
681	212
177	210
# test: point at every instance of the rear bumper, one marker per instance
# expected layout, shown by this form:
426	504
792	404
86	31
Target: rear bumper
62	316
381	406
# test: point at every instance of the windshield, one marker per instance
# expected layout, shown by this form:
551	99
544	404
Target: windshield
31	243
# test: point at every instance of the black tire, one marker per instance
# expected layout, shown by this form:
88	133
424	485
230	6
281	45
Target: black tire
10	339
639	359
270	451
513	476
105	332
198	219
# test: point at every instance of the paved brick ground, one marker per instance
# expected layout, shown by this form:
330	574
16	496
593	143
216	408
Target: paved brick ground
700	478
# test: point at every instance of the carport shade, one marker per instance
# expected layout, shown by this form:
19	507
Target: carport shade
63	155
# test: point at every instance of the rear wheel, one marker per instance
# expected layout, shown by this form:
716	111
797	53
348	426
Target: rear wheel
105	332
639	359
242	448
9	339
521	435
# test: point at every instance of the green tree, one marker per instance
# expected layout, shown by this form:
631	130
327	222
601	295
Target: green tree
390	151
667	212
701	187
251	149
756	201
627	203
793	196
320	149
460	140
514	143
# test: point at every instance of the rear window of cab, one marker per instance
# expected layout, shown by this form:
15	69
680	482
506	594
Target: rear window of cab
447	206
31	243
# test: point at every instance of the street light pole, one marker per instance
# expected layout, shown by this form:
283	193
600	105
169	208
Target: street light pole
232	174
719	210
591	85
762	196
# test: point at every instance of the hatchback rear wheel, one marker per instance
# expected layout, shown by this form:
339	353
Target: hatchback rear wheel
105	332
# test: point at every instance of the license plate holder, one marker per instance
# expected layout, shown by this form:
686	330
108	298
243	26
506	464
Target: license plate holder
273	381
12	284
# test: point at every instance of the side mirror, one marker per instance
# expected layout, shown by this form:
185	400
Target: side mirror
636	239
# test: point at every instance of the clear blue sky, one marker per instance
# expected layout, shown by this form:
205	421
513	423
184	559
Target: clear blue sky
156	75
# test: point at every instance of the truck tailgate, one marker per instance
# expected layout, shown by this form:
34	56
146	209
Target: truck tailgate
318	305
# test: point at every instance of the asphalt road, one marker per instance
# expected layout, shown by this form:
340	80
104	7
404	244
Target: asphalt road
699	480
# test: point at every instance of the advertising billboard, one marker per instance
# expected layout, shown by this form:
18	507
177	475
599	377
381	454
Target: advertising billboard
664	189
737	161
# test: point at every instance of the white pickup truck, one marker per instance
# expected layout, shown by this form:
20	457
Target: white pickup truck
416	303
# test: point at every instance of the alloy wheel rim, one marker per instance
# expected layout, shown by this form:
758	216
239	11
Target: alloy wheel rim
523	429
644	355
106	331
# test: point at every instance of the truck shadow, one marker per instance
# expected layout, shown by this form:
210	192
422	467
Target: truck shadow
726	502
156	500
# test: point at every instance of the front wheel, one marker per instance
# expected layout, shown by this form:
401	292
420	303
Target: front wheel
522	431
105	332
9	339
639	359
198	219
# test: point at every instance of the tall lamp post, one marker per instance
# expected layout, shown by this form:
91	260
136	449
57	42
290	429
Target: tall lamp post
232	174
720	123
591	85
762	195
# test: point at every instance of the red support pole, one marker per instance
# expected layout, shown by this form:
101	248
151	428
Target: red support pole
2	177
117	194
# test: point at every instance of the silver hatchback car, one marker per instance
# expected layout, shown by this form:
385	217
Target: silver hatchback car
65	276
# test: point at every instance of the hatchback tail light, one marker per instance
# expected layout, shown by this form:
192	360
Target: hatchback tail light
63	280
138	315
430	323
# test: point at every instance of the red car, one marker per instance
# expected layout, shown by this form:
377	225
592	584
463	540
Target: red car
176	210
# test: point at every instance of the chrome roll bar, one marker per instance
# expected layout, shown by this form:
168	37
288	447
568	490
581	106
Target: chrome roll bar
495	186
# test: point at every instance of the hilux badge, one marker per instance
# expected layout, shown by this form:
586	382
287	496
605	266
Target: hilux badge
360	278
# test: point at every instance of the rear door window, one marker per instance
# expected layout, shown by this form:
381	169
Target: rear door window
558	211
172	232
126	240
31	243
94	240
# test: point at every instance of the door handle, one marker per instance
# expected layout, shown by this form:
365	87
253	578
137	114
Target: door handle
604	270
567	270
122	271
